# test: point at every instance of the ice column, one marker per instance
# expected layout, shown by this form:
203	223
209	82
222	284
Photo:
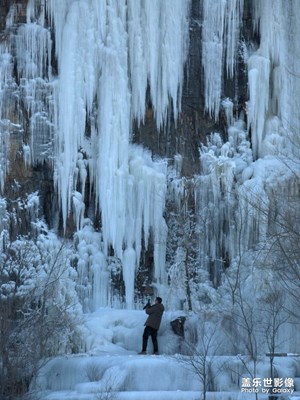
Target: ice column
288	92
212	53
259	72
6	88
253	213
34	47
114	124
157	46
274	80
220	33
234	12
6	79
215	202
33	55
222	167
4	151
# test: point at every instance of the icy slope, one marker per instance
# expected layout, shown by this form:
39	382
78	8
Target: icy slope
111	369
111	363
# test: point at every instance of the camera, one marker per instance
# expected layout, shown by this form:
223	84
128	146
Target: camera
147	305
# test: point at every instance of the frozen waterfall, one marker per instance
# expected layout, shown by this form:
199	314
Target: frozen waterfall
103	73
76	75
107	55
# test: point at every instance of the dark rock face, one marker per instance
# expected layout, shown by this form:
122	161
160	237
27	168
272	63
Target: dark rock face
178	326
20	9
194	123
184	136
4	8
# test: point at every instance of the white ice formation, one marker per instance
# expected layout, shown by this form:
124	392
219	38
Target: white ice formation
220	35
111	58
103	75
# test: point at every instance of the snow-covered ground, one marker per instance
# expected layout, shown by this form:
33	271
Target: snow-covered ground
111	369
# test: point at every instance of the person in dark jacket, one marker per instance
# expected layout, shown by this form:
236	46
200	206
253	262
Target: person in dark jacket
152	324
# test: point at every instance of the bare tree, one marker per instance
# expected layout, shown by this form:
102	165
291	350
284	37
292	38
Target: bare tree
201	356
36	320
107	379
275	316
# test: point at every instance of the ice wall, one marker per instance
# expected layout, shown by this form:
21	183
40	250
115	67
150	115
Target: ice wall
235	195
245	207
222	166
79	107
273	78
110	58
25	74
274	82
108	67
103	75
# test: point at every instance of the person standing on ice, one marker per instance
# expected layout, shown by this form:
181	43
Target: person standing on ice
152	324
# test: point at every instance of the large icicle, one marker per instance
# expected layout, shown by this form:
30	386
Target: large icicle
7	86
274	80
212	53
220	33
158	38
104	72
114	123
34	48
259	71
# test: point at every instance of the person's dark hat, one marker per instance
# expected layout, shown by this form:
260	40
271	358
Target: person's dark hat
159	299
